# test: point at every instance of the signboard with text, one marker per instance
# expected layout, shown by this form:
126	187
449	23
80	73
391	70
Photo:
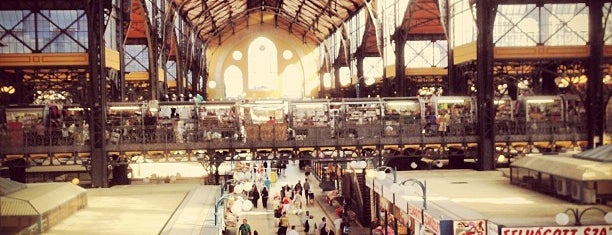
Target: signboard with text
567	230
469	227
431	223
415	212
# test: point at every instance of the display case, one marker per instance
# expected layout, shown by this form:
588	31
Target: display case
504	109
264	111
460	108
309	113
405	110
543	108
218	114
362	111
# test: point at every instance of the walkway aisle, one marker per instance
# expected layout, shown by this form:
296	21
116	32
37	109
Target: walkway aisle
263	220
191	214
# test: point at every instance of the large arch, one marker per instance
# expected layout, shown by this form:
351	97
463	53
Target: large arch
262	65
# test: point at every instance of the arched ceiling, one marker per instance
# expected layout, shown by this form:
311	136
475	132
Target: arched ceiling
310	20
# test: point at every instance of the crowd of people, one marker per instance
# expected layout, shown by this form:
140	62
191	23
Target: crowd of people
291	199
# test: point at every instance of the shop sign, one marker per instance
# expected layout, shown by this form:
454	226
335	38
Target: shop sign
469	227
415	212
575	230
431	223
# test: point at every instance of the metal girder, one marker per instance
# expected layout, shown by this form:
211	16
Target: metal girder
537	2
279	7
43	5
97	93
400	63
595	97
316	19
212	19
484	85
297	14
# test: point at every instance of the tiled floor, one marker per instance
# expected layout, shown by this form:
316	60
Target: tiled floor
182	206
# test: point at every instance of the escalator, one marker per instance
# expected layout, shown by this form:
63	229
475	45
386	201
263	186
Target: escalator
359	197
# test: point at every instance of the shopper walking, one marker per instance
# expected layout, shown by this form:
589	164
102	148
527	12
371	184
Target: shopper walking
245	228
264	197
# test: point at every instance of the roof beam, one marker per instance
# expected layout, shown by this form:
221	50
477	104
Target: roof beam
279	8
297	14
212	20
316	19
539	2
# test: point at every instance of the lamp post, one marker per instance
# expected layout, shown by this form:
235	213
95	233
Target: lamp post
563	218
239	205
397	187
239	177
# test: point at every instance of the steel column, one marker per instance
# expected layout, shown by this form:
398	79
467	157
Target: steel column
336	79
121	37
595	101
96	101
484	84
360	79
400	63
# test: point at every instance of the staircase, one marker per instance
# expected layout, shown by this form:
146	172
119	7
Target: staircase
359	196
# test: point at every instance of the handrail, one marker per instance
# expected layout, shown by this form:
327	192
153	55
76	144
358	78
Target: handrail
356	181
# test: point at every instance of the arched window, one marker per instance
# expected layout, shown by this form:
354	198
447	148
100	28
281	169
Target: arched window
234	86
262	65
293	80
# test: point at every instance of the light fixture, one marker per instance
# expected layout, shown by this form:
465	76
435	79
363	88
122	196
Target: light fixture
370	173
358	165
247	185
501	158
563	217
381	175
238	188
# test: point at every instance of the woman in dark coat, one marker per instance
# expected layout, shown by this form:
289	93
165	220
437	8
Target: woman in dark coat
264	197
254	196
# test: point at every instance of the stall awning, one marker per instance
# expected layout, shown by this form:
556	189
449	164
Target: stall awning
566	166
600	154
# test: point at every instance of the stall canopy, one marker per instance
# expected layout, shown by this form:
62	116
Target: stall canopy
565	165
600	154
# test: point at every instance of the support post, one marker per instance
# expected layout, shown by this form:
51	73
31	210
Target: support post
96	100
595	100
360	79
400	62
484	85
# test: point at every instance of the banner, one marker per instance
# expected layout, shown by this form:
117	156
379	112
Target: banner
576	230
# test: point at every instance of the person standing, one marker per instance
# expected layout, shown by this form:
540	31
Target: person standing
307	190
310	226
292	231
283	224
323	227
254	196
268	183
245	228
264	197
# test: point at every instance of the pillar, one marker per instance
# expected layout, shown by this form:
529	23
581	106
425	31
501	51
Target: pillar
484	85
595	99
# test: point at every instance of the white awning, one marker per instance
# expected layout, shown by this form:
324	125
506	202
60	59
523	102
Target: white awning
566	166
